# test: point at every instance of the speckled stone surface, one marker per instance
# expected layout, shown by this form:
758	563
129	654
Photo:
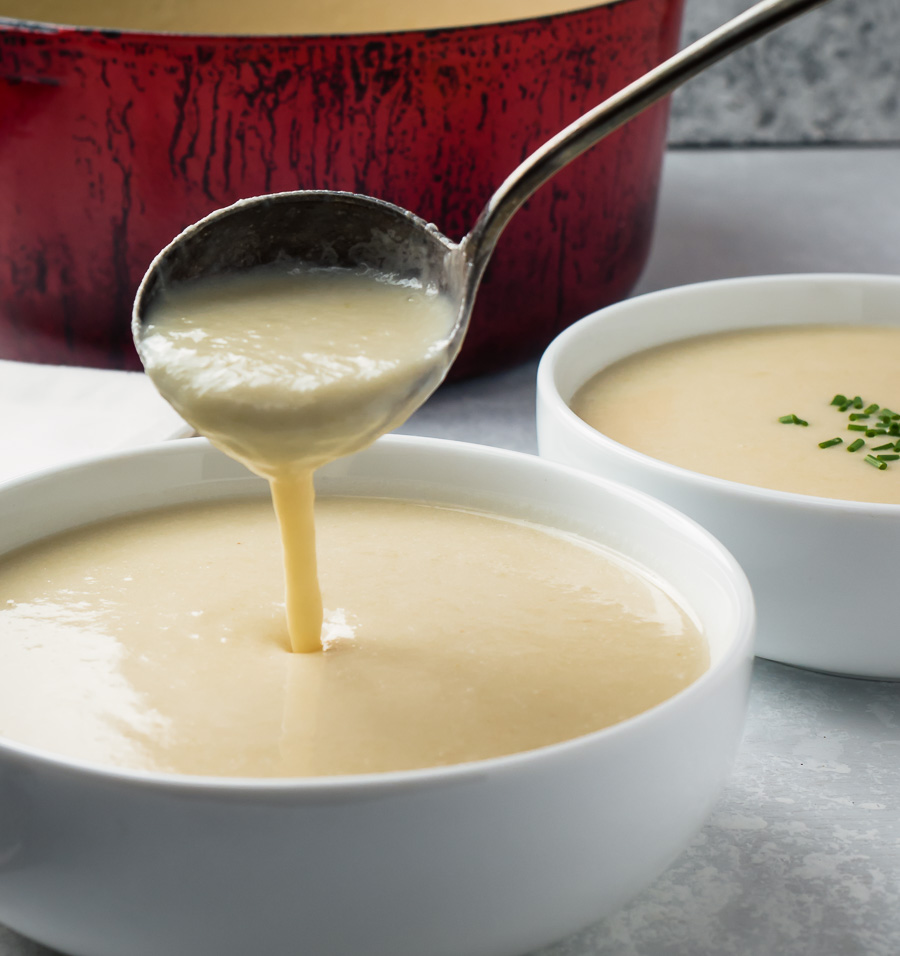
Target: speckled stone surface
801	856
831	76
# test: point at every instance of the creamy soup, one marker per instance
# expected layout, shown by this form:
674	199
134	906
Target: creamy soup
285	370
158	642
725	405
280	16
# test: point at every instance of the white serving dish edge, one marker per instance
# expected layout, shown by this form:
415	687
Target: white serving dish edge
494	858
820	568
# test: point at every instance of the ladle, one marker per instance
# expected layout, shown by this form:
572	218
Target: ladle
321	228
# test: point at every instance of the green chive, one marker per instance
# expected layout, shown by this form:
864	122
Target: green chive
845	406
872	460
888	457
856	445
857	428
857	417
894	429
792	420
872	432
838	441
840	399
858	402
871	409
890	444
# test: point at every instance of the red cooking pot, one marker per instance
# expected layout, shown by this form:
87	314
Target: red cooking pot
112	142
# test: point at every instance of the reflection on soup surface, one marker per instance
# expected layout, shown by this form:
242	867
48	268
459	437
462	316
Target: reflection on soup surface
158	641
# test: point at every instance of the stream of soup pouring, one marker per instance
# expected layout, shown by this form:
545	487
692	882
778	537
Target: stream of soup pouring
285	370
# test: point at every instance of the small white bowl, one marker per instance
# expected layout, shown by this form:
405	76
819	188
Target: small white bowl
481	859
822	571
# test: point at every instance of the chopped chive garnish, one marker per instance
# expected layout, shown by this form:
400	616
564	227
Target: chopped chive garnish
792	420
887	422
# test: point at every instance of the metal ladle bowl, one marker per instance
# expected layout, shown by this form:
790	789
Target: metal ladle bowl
321	228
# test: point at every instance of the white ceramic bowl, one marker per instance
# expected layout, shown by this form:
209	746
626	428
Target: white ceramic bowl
821	569
484	859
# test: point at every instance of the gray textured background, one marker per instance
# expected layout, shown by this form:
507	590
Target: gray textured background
832	76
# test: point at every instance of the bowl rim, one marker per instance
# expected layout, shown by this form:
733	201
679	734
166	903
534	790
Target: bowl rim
739	650
569	339
45	27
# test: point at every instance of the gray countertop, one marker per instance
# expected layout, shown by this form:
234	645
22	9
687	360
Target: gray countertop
801	857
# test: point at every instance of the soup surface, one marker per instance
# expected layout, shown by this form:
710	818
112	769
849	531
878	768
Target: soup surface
284	370
713	404
158	642
280	16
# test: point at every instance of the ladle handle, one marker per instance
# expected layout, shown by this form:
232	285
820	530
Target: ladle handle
589	129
